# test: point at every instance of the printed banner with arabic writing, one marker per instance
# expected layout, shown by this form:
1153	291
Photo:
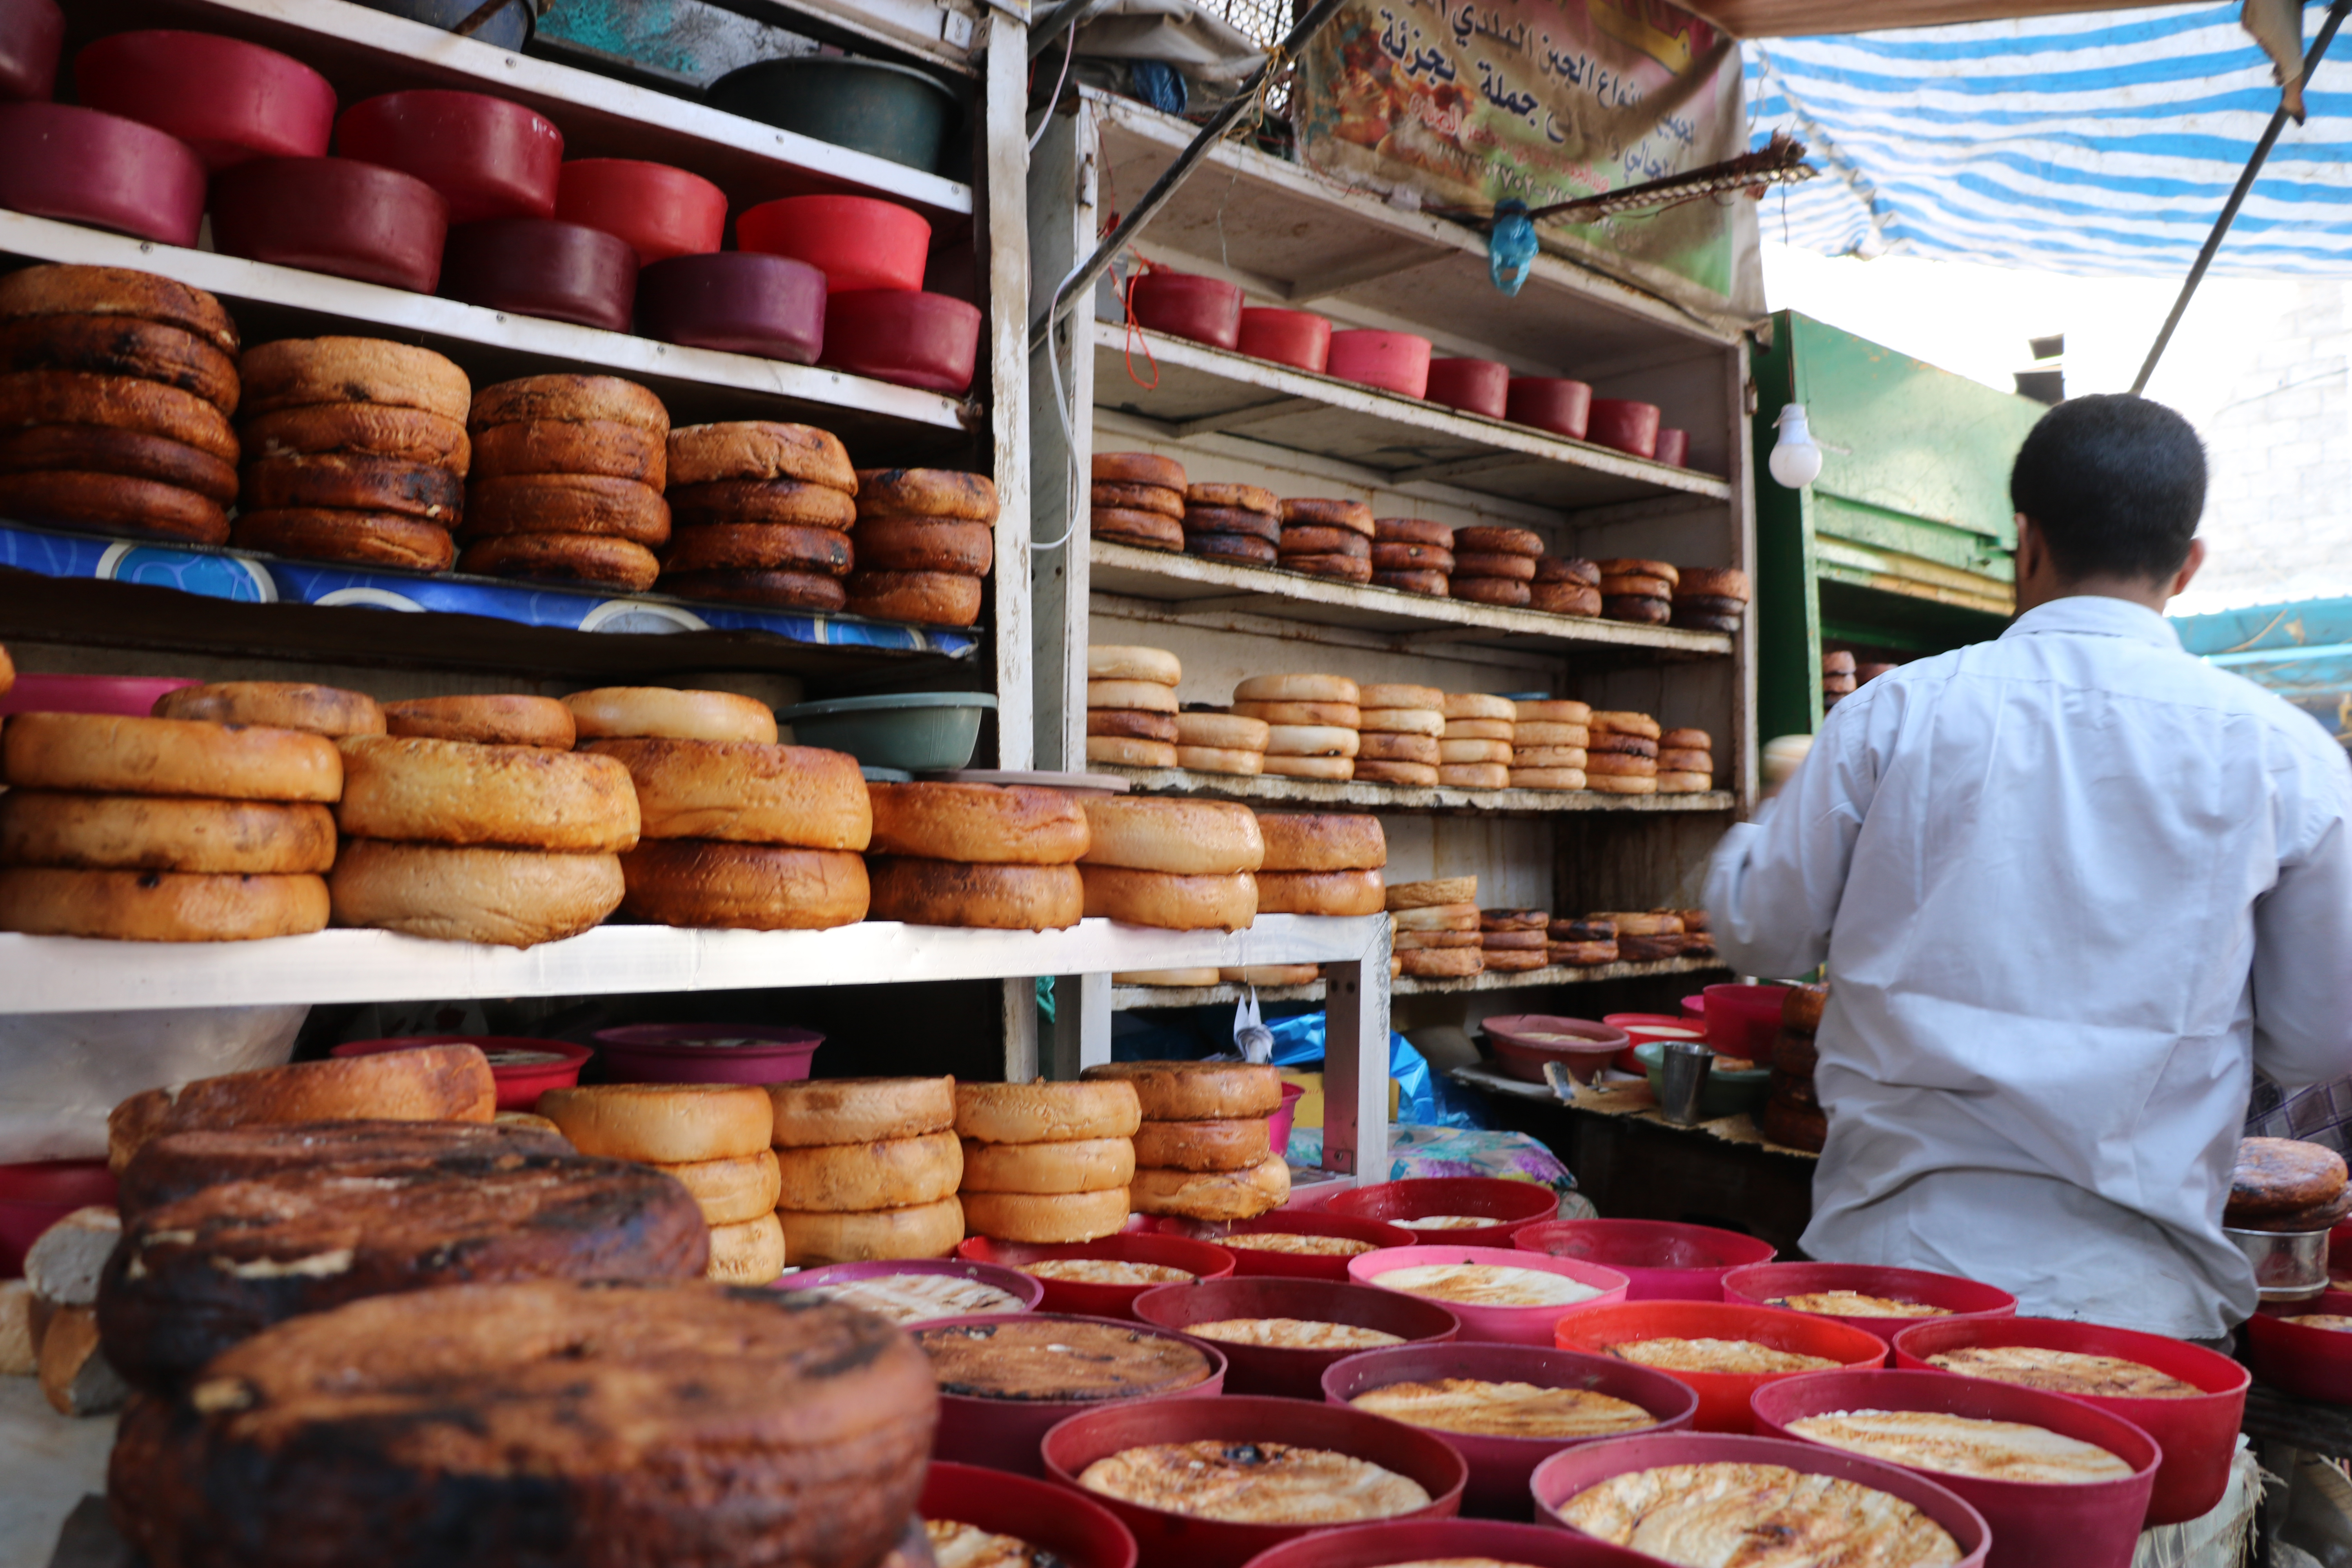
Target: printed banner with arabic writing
1469	101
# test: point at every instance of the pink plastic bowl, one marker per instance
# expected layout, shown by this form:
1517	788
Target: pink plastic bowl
1722	1395
662	212
36	1194
1472	385
685	1053
32	33
1674	449
80	166
1277	1126
333	215
1198	1259
1300	338
1744	1020
1504	1325
1589	1047
1511	1205
1765	1282
1286	1372
1027	1287
1500	1467
2310	1363
925	340
131	696
1550	403
1663	1261
1628	427
1394	362
2199	1436
1078	1531
521	1081
229	100
1187	305
858	242
1694	1007
1446	1540
488	157
1253	1263
1644	1028
1006	1434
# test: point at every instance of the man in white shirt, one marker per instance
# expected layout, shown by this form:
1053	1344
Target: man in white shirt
2073	886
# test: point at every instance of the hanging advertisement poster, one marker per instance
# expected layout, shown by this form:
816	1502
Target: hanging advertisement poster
1466	102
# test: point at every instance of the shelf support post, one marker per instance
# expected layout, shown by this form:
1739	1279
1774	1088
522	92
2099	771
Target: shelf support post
1003	206
1356	1062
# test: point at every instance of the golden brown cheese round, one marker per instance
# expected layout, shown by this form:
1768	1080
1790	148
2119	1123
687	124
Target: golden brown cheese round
1293	1333
959	1545
1448	1222
1760	1515
2065	1372
1964	1445
914	1297
1059	1359
1736	1357
1486	1285
1253	1483
1854	1304
1480	1408
1105	1271
2325	1321
1298	1245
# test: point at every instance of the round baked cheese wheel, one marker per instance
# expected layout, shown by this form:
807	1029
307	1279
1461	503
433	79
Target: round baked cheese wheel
1455	963
1502	729
502	720
749	1253
159	906
1383	747
1195	1092
293	373
1247	498
403	788
1138	468
1526	732
2279	1175
956	893
922	1230
663	1123
1129	751
1071	1165
1170	902
1229	1143
760	449
558	398
1166	977
730	1191
509	898
1212	1195
1432	893
1138	696
277	704
1332	770
1044	1112
1161	727
69	290
1474	752
1478	705
1223	731
812	1112
1397	694
1637	724
712	884
1184	837
1312	740
606	446
1314	841
1217	760
747	791
1557	778
1338	715
1115	661
160	833
1678	782
1434	917
107	753
926	492
1274	973
1357	892
632	712
1046	1218
1420	940
1426	721
1300	689
1553	710
1475	775
1019	824
853	1178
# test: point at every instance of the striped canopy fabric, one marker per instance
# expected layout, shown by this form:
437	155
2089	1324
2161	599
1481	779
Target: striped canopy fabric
2095	144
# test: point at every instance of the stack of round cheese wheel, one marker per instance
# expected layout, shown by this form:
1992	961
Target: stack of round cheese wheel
737	831
1202	1151
1566	585
924	538
1711	598
1582	944
1311	723
356	449
1549	737
1495	566
167	829
1222	743
1838	677
460	833
1326	538
1320	864
1414	553
1621	754
567	482
116	389
510	720
762	514
712	1137
1403	734
1137	498
1241	524
1131	706
1685	762
1000	857
1047	1163
1646	936
1436	928
870	1168
1180	865
1641	591
1512	942
1478	743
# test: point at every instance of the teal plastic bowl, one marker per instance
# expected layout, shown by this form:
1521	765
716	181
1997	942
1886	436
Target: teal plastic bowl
891	111
916	732
1726	1094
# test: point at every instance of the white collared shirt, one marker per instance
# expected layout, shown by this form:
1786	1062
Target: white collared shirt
2073	886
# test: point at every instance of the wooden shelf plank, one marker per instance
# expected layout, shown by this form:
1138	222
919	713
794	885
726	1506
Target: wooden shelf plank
1266	789
1126	998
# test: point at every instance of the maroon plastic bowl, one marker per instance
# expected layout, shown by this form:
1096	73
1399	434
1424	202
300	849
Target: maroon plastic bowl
1562	1478
487	158
229	100
1007	1434
1663	1261
1028	1287
1764	1283
690	1053
131	696
1550	403
1198	1259
662	212
1393	362
1509	1204
1168	1540
335	215
1628	427
1500	1467
2310	1363
520	1080
81	166
738	302
1674	449
1472	385
1300	338
858	242
1588	1048
1743	1020
1079	1533
1417	1541
1187	305
2092	1524
1254	1262
538	267
1278	1370
31	32
36	1194
925	340
2199	1436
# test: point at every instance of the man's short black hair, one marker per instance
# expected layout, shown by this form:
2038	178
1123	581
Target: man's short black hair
2114	483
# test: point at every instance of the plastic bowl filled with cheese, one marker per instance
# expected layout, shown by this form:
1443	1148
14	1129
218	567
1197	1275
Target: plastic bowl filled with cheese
922	1289
1447	1543
1499	1294
1663	1261
1102	1279
1725	1351
1280	1335
2056	1481
1477	1211
1865	1296
1508	1408
1293	1243
2305	1347
1210	1483
963	1505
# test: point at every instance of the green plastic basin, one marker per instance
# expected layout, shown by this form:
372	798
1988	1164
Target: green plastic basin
917	731
1726	1094
892	112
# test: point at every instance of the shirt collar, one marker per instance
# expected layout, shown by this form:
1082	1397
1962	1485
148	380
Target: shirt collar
2096	615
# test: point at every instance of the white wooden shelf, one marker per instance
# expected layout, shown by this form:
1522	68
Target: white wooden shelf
1271	789
1126	999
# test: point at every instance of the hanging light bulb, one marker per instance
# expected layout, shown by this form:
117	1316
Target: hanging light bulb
1796	461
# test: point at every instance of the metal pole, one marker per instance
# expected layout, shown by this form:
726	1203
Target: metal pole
2237	199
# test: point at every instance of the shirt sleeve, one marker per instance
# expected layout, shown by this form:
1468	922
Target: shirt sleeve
1774	885
2303	935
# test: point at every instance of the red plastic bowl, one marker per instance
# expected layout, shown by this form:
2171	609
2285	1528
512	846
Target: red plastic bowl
36	1194
1500	1467
334	216
2310	1363
1505	1325
538	267
1722	1395
1300	338
1278	1370
1446	1540
1550	403
1562	1478
1253	1263
1394	362
1642	1028
1590	1046
1510	1204
229	100
1007	1434
1764	1282
1027	1287
1472	385
1663	1261
1674	449
1277	1126
1186	305
487	158
925	340
131	696
1628	427
689	1053
738	302
31	32
662	212
1169	1540
521	1081
81	166
2199	1436
1198	1259
1077	1531
2092	1524
858	242
1744	1020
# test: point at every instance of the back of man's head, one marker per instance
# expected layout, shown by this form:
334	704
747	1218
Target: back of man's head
2115	484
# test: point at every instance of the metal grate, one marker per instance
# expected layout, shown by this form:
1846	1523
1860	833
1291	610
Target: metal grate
1263	20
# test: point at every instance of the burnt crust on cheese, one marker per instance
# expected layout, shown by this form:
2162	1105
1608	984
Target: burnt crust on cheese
1737	1358
1293	1333
1253	1483
2280	1175
1729	1512
1298	1243
1855	1304
179	1165
1037	1359
1477	1408
957	1545
2065	1372
1106	1271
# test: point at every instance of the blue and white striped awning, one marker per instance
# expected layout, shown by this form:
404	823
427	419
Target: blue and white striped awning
2104	143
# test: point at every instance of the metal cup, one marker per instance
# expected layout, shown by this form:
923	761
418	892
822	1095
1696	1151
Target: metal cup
1683	1069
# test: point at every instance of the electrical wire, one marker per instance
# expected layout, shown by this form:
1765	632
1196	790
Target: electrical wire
1069	446
1069	50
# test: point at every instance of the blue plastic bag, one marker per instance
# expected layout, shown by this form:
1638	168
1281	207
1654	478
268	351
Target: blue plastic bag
1510	245
1423	1100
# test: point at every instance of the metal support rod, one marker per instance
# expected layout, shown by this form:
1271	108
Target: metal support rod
1081	280
2335	14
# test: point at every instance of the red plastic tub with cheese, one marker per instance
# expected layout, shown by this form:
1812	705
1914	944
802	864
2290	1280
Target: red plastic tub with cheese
1263	1261
1722	1395
1663	1261
2308	1363
1413	1202
1079	1532
1291	1371
1007	1434
1767	1283
1508	1325
1423	1542
1198	1259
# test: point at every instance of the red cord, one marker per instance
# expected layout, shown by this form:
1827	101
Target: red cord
1135	330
